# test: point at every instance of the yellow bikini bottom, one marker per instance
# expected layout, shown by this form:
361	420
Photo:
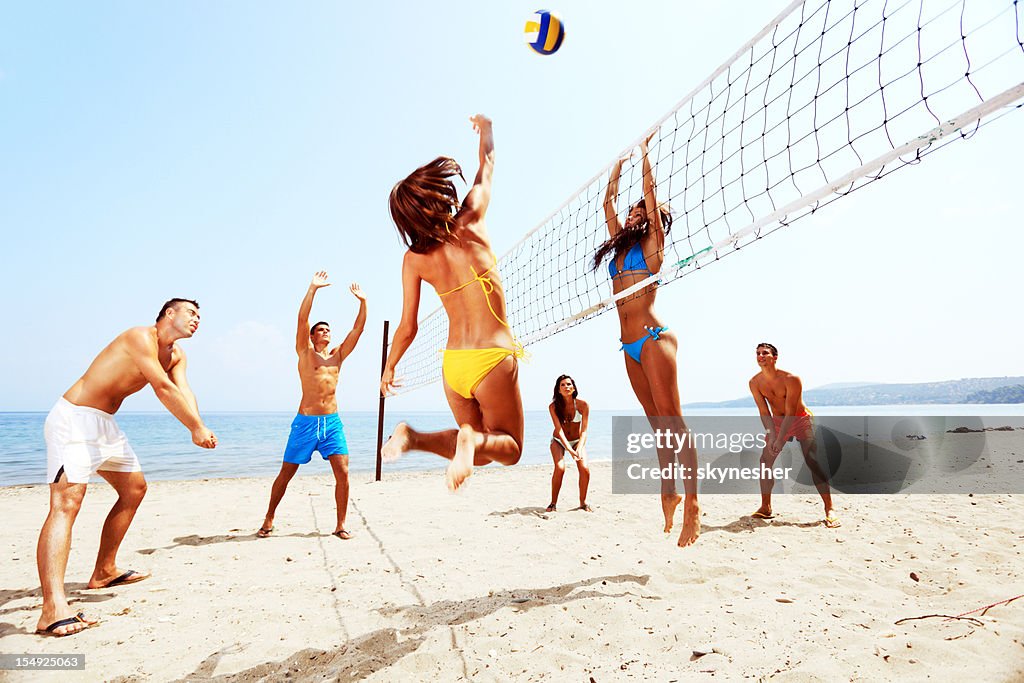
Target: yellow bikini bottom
464	369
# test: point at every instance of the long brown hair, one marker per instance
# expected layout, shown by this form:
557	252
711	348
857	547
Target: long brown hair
625	239
424	205
556	397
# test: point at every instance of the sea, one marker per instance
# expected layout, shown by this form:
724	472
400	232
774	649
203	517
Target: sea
251	444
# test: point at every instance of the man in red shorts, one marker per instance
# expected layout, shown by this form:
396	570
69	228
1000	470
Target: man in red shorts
779	398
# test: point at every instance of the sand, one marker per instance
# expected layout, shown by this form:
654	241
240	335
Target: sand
484	585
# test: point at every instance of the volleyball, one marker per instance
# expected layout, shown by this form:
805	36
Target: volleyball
544	32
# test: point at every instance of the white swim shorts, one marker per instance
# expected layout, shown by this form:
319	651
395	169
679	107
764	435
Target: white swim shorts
82	440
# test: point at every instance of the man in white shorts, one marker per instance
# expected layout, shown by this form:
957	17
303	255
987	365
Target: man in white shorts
83	439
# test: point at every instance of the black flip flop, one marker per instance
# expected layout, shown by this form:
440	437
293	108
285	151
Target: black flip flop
125	578
51	630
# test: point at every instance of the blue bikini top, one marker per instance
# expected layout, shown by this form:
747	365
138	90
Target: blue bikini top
633	263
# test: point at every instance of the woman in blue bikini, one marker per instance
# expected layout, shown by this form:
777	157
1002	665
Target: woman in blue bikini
570	415
636	252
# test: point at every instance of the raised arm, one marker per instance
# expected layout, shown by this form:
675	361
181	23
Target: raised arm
302	340
611	196
657	232
357	327
142	349
479	196
407	328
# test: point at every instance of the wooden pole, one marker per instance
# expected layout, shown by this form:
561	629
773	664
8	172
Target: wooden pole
380	408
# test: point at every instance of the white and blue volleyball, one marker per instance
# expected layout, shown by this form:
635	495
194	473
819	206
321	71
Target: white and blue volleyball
545	32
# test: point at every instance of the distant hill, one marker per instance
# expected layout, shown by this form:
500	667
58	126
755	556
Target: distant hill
1013	393
846	385
970	390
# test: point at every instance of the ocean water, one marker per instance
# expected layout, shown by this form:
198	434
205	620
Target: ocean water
251	444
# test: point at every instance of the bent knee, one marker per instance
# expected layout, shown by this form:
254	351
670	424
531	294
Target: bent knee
517	452
66	505
135	493
810	458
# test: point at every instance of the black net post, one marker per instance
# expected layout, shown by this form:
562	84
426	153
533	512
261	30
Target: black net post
380	407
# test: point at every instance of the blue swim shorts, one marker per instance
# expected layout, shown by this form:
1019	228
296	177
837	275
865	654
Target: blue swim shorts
322	433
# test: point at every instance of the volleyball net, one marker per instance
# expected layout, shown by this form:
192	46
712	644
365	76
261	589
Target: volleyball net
827	98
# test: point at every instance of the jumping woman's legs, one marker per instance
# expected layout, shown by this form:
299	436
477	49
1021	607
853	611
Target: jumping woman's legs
658	361
490	427
670	498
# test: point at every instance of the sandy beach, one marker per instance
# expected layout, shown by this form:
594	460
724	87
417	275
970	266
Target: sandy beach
485	585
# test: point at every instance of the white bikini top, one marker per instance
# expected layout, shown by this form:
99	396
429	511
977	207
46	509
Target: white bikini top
578	417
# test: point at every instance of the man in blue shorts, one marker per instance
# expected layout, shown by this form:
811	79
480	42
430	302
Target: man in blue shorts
317	426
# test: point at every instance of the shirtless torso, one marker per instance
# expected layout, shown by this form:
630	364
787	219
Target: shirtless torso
141	356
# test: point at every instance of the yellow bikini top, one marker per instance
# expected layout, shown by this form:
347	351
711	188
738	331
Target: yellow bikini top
485	282
488	286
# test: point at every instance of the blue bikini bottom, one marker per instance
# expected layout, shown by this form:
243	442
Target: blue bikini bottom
633	349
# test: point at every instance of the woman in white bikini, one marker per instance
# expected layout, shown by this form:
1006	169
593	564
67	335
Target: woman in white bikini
569	415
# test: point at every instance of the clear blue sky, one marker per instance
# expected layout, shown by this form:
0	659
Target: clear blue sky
225	151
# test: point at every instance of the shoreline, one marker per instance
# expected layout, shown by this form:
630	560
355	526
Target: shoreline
363	475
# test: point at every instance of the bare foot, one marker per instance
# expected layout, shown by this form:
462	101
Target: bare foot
397	444
461	465
669	503
832	520
50	624
763	512
691	524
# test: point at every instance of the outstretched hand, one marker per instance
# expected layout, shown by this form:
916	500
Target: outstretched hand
480	122
357	291
647	140
388	383
319	280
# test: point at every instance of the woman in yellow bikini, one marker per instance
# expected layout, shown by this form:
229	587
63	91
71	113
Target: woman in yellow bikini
449	249
636	252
